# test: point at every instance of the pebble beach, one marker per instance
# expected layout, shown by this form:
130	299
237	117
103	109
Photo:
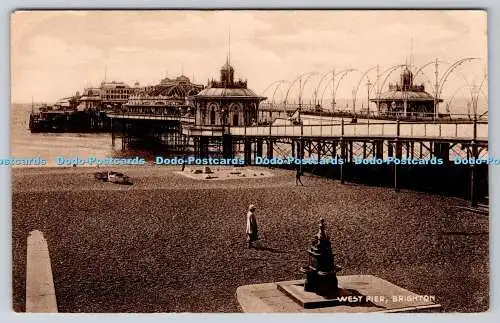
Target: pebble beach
174	243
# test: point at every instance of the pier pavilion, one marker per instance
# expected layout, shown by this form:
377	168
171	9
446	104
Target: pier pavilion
406	99
226	102
223	104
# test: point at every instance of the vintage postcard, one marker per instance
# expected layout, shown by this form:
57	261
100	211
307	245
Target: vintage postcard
250	161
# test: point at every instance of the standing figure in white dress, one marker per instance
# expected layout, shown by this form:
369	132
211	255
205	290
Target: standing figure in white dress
252	230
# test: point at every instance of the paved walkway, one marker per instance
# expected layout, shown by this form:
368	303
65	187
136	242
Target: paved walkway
40	292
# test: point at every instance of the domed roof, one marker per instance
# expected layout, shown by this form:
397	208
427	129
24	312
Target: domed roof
226	67
405	95
227	93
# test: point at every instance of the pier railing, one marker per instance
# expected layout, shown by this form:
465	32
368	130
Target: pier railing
438	130
145	116
312	110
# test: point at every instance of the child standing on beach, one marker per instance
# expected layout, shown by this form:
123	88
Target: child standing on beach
252	230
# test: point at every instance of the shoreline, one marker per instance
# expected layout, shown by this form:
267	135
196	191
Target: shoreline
139	174
132	167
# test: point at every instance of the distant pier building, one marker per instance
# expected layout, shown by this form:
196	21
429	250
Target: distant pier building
90	99
153	115
406	99
167	97
115	94
109	96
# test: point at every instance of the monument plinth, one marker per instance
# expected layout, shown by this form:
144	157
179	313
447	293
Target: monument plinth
321	271
322	291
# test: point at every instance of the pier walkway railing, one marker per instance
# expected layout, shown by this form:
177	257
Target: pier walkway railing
145	116
456	131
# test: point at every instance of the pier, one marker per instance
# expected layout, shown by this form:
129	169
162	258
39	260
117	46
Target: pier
424	140
225	120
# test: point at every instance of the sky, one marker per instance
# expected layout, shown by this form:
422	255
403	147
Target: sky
56	53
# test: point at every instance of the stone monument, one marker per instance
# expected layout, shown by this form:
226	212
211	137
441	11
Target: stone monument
322	291
321	271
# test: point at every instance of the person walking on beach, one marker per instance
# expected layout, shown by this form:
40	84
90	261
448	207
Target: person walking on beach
183	163
297	177
252	230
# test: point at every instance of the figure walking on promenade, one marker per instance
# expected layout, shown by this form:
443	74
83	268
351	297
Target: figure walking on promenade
298	175
252	231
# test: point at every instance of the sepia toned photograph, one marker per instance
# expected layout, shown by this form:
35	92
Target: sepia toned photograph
249	161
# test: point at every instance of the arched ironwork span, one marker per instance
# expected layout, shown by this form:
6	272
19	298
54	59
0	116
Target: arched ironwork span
453	96
277	87
293	83
356	89
270	85
435	90
342	74
303	85
448	72
478	93
319	84
376	88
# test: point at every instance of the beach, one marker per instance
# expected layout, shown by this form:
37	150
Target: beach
171	243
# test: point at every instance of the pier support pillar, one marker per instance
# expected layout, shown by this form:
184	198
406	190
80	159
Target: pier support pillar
442	150
473	175
350	147
227	146
319	148
270	148
260	144
203	143
390	149
343	150
247	151
473	197
399	149
300	149
397	143
196	146
378	149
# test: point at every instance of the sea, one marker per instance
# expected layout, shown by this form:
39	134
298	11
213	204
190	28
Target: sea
50	146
